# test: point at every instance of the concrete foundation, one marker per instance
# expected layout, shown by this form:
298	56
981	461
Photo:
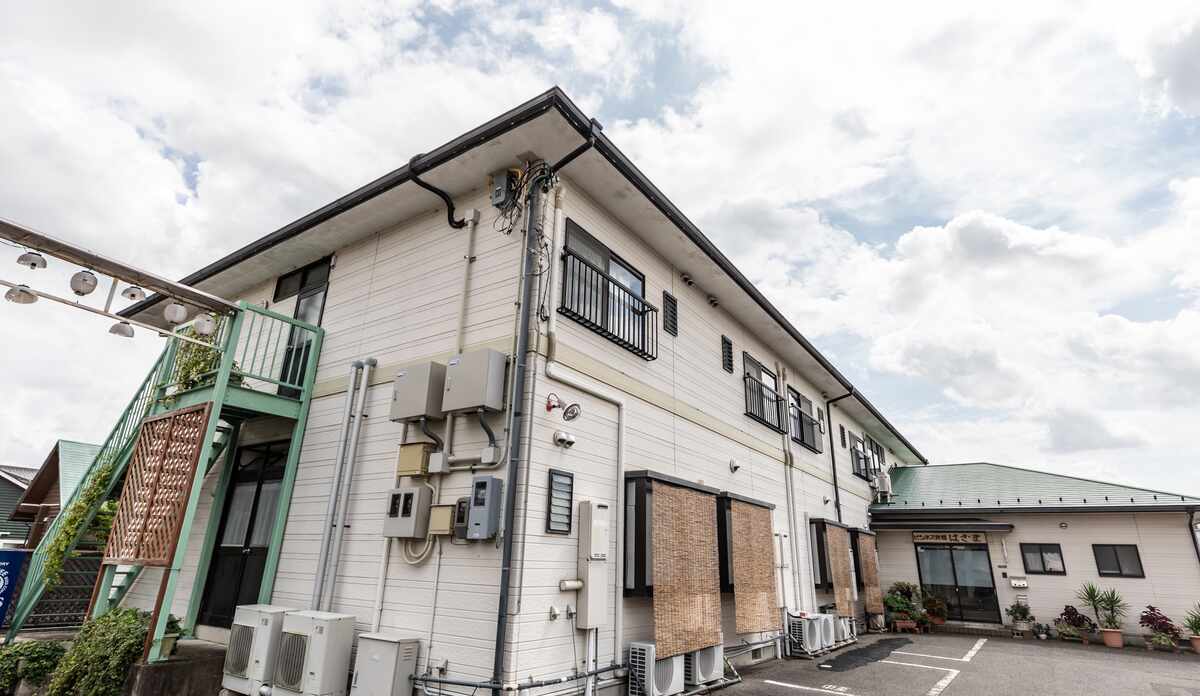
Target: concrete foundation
194	670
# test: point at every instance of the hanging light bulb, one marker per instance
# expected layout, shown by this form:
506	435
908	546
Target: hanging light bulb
21	295
83	283
32	259
134	293
205	325
175	313
123	329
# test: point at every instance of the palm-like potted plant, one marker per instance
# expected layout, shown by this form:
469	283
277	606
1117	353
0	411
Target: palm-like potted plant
1112	608
1164	634
1192	621
1021	616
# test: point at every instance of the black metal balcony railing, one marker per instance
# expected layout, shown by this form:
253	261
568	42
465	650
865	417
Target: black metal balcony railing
764	404
805	429
862	464
598	301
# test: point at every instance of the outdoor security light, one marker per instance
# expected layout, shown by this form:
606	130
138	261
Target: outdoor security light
205	325
123	329
32	259
21	295
83	283
134	293
175	313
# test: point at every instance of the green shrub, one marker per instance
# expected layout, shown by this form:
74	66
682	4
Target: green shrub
72	527
99	660
32	660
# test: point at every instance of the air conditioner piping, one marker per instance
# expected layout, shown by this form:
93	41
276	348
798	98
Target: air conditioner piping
412	173
338	468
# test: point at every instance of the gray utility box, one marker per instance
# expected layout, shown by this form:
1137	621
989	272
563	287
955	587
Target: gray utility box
417	392
385	665
483	515
475	380
408	512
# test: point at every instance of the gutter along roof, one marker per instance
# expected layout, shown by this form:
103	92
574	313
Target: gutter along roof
982	487
555	100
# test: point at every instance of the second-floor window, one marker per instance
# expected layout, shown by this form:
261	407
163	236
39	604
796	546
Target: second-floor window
805	425
607	295
863	460
763	402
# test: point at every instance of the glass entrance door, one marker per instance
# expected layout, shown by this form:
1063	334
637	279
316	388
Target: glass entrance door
239	557
961	576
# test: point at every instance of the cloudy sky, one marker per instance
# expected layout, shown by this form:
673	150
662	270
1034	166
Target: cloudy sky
987	220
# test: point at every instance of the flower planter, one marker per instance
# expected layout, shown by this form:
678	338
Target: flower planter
1113	638
900	626
1195	641
937	620
1022	626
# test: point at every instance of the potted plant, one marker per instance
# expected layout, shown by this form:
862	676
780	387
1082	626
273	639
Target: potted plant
935	608
171	635
902	606
1089	596
1112	608
1192	621
1073	625
1164	634
902	621
924	624
1041	630
1021	616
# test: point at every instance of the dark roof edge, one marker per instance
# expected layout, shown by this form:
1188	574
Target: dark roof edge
671	480
746	499
891	513
557	99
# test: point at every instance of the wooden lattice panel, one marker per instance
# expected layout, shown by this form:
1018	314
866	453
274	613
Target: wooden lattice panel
687	577
868	561
157	485
755	599
837	542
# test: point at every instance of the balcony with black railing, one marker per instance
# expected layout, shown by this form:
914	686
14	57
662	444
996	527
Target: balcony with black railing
764	404
863	464
806	430
601	303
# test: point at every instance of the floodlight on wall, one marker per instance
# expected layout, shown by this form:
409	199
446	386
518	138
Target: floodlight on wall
32	259
122	328
20	294
205	325
133	293
175	313
83	283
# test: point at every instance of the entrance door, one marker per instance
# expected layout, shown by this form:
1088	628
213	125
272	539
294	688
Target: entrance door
961	576
235	572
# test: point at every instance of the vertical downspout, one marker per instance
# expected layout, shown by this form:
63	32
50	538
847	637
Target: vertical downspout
338	466
520	369
837	491
788	479
339	531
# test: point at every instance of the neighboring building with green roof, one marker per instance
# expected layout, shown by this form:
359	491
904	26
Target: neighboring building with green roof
51	487
983	536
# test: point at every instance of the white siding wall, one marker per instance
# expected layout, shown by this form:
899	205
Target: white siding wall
1172	581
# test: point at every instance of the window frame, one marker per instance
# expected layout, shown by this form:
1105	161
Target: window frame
1041	551
869	469
813	413
1121	570
576	231
749	361
305	285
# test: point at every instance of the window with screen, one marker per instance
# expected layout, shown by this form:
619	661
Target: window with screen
1118	560
558	507
1043	559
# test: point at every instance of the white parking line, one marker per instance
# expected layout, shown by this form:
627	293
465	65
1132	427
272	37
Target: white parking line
965	658
942	683
807	688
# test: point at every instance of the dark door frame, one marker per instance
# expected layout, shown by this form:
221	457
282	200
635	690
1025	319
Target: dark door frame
986	549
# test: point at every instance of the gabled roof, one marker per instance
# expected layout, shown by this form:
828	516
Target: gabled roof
18	475
66	465
74	458
986	487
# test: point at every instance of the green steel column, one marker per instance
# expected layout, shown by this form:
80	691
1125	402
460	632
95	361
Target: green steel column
220	387
108	572
210	535
289	474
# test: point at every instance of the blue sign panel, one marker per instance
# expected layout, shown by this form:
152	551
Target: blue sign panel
10	571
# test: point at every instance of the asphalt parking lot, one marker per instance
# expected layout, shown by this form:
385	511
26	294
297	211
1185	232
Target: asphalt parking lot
954	665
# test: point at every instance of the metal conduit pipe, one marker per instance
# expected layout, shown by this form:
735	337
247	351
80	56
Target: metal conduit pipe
789	460
560	373
338	466
347	479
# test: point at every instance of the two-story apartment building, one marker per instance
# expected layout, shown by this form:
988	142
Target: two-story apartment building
725	465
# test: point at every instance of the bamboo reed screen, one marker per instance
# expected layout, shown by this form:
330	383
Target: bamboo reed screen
755	600
687	582
157	487
837	543
869	565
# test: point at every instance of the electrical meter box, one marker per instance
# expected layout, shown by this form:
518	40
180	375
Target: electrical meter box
384	665
483	515
407	512
441	520
462	511
475	380
592	566
417	392
413	459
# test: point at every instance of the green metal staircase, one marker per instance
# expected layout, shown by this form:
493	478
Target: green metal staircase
267	366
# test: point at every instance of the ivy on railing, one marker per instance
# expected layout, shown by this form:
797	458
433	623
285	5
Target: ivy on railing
71	527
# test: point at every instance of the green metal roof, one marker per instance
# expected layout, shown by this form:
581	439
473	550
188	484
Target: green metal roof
984	486
74	458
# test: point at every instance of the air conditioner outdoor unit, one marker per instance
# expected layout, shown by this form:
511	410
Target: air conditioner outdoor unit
651	677
883	480
314	654
828	629
704	666
844	629
253	647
